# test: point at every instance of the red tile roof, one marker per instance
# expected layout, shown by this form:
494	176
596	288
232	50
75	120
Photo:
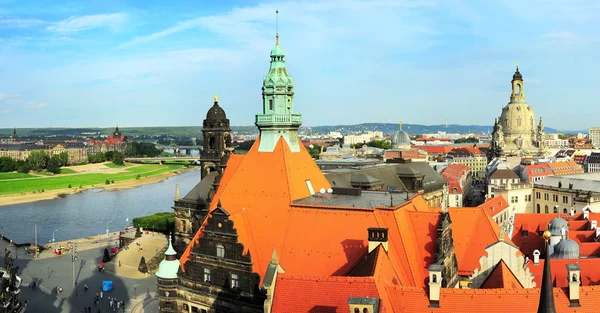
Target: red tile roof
501	277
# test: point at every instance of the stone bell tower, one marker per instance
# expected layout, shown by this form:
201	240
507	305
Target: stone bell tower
216	138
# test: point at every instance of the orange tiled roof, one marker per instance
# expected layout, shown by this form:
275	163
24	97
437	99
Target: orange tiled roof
501	277
472	230
320	294
454	171
494	205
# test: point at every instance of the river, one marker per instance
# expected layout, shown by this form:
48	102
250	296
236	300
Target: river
88	213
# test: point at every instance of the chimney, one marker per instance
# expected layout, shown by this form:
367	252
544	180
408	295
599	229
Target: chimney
378	236
594	224
574	280
536	256
586	214
176	192
435	284
370	305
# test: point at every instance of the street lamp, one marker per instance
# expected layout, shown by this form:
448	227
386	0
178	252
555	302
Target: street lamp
53	240
107	227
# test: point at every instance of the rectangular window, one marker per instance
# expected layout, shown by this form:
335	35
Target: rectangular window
537	195
271	104
555	198
546	197
235	282
310	187
206	275
525	233
566	199
516	199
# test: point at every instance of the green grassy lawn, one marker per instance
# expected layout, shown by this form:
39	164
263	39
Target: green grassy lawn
11	186
113	165
67	171
180	162
4	176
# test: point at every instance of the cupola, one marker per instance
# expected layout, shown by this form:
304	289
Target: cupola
169	267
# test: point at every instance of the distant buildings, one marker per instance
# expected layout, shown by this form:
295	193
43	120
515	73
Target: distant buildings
594	136
369	136
459	184
115	142
558	194
78	151
471	157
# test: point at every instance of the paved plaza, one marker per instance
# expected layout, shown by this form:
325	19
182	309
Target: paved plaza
51	272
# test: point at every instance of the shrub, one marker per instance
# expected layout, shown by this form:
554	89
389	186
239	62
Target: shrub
106	256
143	267
112	181
162	222
70	186
107	182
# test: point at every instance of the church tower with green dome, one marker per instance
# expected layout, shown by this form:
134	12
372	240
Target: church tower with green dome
278	118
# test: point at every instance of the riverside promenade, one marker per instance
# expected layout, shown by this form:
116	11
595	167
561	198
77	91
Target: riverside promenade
50	271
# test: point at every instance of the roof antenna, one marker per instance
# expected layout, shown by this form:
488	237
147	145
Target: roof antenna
277	27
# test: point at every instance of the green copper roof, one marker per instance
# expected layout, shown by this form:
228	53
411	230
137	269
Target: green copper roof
277	51
168	269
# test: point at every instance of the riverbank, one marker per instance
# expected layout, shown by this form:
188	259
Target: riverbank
116	186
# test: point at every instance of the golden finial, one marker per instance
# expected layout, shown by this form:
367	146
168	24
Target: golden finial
277	27
400	123
216	98
547	235
517	65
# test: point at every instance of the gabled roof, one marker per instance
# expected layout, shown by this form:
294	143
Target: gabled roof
454	171
504	174
501	277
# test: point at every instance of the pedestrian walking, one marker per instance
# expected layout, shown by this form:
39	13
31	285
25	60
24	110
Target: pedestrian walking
89	309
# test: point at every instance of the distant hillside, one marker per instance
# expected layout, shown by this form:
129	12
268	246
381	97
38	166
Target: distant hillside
413	129
196	131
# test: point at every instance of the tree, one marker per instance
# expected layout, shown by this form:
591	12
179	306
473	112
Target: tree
7	164
246	145
143	267
314	151
467	140
164	141
106	256
54	165
97	158
109	155
63	157
118	158
38	160
381	144
22	167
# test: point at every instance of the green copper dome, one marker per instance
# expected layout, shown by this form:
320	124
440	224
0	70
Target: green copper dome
277	51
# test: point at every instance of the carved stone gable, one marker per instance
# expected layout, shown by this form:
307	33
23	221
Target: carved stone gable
445	251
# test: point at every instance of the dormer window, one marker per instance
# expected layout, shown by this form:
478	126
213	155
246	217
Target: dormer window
220	251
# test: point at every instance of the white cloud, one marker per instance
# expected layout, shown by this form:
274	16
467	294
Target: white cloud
5	111
20	22
35	104
87	22
6	96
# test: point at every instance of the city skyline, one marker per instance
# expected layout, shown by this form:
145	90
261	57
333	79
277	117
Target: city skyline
147	64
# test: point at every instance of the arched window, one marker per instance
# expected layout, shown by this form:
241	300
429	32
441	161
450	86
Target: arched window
365	310
220	251
546	209
356	310
538	208
565	210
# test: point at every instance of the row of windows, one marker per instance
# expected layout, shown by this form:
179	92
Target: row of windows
515	199
234	278
538	195
547	210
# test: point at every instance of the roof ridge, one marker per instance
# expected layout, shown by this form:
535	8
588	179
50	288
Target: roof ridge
285	276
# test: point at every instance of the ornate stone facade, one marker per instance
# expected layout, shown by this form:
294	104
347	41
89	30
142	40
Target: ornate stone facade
515	133
444	255
216	135
219	276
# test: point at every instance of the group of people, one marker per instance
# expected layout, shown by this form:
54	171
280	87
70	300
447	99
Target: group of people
113	303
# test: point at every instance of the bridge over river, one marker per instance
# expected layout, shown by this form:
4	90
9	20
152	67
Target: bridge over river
161	160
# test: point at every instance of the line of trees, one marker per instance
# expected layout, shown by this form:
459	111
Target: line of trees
114	156
142	149
38	160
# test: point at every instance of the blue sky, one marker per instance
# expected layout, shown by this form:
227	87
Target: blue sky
158	63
